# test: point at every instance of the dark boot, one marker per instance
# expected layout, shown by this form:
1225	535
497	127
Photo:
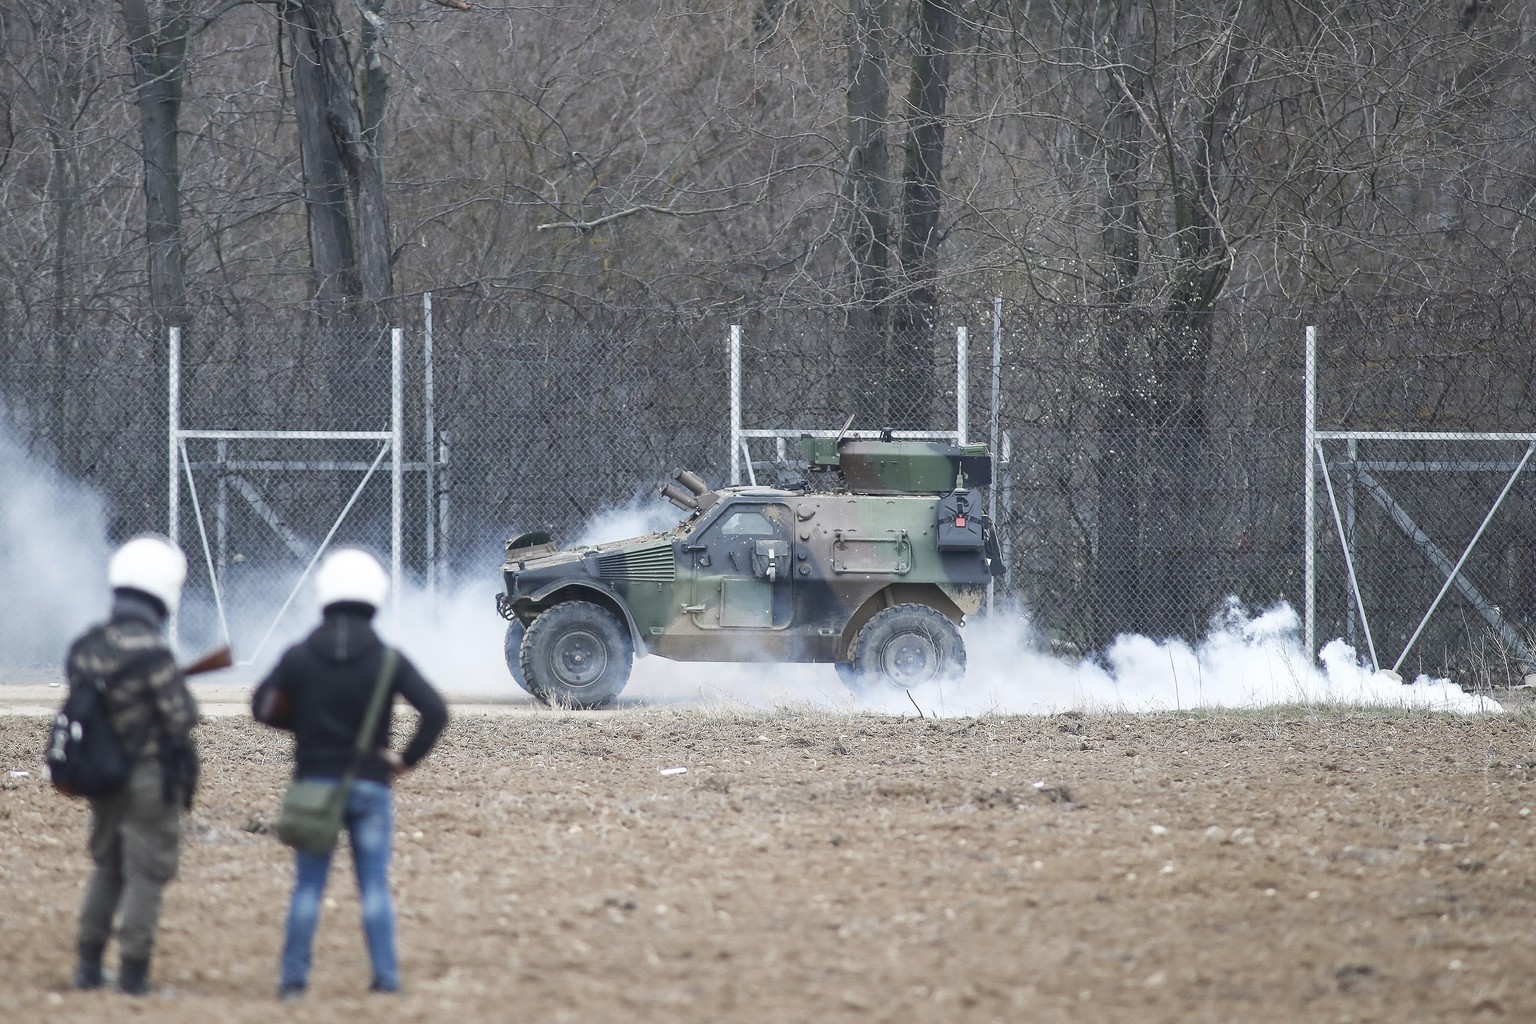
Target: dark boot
88	971
134	980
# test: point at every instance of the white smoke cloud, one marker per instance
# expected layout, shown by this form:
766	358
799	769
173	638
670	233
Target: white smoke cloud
455	638
1244	661
53	554
642	514
53	558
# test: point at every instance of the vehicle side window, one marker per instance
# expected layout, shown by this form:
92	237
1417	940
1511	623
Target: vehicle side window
747	523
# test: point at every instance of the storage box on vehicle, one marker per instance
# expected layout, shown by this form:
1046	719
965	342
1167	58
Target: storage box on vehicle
900	467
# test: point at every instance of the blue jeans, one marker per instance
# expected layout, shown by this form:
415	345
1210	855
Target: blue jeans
370	823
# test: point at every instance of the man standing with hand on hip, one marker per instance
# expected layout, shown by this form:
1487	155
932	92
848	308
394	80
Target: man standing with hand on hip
320	691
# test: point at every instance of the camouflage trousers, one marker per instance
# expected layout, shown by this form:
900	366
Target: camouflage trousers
135	843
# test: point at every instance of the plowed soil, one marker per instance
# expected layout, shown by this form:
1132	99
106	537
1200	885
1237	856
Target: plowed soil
1284	865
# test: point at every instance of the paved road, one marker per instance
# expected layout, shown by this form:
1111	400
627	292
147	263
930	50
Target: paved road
218	700
655	682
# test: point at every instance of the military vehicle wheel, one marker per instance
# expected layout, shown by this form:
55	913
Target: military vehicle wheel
512	648
906	645
577	654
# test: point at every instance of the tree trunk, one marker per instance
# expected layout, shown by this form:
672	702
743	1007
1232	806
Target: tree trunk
340	146
1116	592
343	178
922	184
373	210
1180	510
158	55
867	196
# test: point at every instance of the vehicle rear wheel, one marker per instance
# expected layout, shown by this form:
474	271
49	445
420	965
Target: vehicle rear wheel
512	648
576	654
904	646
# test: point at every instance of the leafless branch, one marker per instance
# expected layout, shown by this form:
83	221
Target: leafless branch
597	222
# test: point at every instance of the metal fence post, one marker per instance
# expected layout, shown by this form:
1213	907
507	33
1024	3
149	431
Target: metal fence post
1310	520
735	404
173	419
397	460
963	383
430	445
444	493
997	385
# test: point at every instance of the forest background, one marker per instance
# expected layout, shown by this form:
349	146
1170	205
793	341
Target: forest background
1147	201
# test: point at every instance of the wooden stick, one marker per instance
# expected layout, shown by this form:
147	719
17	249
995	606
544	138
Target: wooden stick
215	659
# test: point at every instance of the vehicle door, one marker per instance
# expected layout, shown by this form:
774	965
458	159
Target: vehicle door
741	568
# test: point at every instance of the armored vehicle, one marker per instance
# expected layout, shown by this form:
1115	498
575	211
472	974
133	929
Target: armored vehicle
870	564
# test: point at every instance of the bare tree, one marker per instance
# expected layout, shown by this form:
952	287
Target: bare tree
866	189
343	166
893	299
1116	576
922	195
341	151
61	235
821	155
157	45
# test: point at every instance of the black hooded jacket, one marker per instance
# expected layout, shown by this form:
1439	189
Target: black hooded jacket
320	690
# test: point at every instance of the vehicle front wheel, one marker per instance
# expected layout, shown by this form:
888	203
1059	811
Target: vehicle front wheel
576	654
512	649
904	646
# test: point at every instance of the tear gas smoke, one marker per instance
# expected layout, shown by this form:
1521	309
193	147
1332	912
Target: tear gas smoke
643	514
53	558
1244	661
456	638
52	542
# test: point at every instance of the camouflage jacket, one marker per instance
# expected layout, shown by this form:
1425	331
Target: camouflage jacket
146	692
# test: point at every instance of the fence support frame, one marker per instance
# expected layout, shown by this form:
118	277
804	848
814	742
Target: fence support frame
1362	471
179	463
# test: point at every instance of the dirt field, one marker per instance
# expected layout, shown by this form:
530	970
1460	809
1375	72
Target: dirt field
1288	865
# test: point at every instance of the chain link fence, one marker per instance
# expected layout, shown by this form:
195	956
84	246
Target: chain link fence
1425	499
1154	472
1150	467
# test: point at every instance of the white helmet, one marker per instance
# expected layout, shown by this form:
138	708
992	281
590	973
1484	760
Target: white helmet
151	564
351	574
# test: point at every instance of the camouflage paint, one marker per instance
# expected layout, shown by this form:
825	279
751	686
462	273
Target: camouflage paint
767	575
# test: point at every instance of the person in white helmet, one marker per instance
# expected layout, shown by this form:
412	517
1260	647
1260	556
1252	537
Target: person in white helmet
136	831
320	691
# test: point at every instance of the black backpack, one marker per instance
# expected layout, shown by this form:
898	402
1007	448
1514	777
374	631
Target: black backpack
85	755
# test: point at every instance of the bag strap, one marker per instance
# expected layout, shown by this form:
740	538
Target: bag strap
381	690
